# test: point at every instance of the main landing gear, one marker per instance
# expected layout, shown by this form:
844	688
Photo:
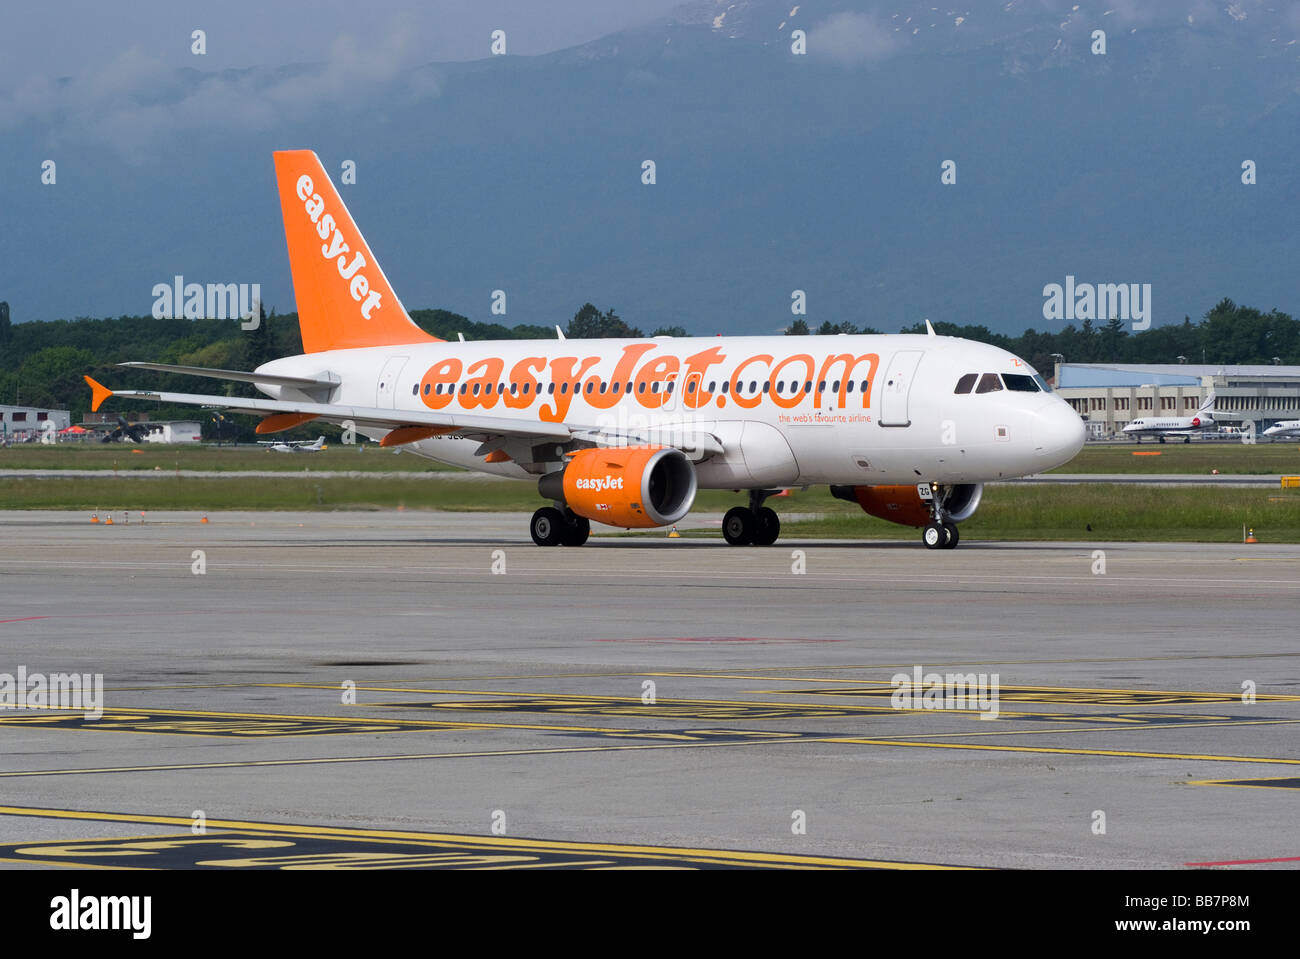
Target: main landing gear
940	532
554	527
754	524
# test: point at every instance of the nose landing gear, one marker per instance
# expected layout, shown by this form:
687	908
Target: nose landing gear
940	532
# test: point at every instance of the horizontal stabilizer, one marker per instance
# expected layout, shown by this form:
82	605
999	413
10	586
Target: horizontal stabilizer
468	424
239	376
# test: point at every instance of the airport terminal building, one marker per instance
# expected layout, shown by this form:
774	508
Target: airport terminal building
1110	395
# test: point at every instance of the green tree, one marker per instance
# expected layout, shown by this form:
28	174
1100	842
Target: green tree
258	348
1112	340
589	324
798	328
833	329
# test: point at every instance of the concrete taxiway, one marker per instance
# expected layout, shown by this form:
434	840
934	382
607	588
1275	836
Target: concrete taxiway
430	689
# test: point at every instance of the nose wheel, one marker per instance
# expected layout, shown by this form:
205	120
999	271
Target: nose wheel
940	536
940	532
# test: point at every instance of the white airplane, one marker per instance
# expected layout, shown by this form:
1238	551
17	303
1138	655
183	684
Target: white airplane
295	446
623	432
1284	429
1184	426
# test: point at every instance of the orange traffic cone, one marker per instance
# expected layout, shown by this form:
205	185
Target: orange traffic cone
204	519
673	534
109	521
1250	537
94	517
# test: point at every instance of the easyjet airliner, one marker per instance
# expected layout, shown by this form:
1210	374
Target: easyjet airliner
623	432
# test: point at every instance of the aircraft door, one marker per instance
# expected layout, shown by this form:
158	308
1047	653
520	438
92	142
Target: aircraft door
897	385
386	388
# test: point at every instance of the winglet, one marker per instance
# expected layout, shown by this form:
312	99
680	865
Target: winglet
928	328
99	392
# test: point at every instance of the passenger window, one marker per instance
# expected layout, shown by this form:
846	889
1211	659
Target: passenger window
966	383
989	383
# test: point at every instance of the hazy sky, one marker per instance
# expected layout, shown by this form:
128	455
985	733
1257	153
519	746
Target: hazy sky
70	37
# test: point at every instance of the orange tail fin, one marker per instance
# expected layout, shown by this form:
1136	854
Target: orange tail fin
344	299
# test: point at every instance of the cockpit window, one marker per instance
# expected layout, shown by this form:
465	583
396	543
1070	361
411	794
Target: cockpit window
989	383
1042	383
965	384
1020	383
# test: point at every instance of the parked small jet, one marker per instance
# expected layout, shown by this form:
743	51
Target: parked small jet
1284	430
1184	426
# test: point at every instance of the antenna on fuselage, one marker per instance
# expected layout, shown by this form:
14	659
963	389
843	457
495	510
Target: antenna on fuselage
559	332
928	328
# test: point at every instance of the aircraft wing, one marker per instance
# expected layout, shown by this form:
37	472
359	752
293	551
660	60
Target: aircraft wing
486	429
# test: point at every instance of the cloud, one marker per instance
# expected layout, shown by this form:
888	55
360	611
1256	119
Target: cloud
135	103
851	38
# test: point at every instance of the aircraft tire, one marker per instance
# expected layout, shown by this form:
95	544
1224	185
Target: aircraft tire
547	526
576	530
738	526
767	526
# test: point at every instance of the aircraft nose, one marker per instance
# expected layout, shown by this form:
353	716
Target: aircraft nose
1057	434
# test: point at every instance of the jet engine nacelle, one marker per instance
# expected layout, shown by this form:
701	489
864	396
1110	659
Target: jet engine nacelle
903	504
632	486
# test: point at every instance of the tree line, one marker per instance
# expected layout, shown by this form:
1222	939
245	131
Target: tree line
42	362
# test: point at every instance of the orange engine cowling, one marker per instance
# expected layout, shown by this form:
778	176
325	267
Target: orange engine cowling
903	504
631	486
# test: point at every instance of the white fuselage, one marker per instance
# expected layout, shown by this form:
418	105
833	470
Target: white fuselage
1169	425
787	411
1287	428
